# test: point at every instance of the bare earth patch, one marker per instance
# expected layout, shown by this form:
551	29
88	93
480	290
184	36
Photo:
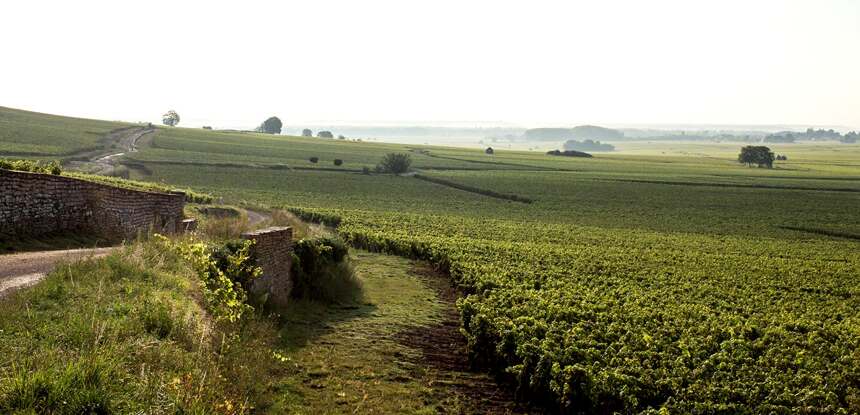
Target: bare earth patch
21	270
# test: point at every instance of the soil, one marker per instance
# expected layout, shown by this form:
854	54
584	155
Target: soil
443	350
22	270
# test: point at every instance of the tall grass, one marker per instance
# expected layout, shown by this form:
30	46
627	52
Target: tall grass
128	333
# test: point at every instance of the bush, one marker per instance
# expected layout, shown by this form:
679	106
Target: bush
365	170
314	159
33	166
338	162
223	293
395	163
321	271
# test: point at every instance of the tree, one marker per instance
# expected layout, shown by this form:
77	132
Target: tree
272	125
395	163
758	155
170	118
325	134
489	150
338	162
307	133
314	159
341	137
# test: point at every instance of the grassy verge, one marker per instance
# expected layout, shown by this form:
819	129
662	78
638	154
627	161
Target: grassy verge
127	334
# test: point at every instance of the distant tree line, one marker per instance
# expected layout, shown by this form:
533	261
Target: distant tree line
568	153
587	145
811	134
591	132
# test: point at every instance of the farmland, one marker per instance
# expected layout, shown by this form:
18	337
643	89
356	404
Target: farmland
632	283
662	278
35	135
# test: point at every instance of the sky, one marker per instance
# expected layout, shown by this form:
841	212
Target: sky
525	63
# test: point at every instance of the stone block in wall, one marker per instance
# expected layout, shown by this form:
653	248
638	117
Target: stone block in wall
273	249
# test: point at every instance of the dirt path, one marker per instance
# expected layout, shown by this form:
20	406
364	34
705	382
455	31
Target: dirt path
397	350
117	144
127	141
255	218
22	270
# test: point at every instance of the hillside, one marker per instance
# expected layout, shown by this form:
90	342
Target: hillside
35	135
632	283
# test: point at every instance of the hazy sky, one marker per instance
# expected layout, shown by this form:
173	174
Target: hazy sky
528	63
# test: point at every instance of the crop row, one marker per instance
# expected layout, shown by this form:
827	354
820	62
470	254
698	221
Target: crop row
637	322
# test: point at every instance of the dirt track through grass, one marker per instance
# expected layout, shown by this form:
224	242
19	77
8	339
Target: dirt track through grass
398	350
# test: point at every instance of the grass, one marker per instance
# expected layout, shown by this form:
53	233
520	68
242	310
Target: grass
36	135
666	276
348	358
122	334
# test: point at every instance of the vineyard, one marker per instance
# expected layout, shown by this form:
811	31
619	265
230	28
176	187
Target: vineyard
31	134
663	279
631	283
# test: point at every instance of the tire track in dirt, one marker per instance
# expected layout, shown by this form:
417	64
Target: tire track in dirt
443	350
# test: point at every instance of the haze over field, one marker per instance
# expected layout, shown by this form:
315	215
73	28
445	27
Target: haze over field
476	63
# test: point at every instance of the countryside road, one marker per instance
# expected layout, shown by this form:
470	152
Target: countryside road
25	269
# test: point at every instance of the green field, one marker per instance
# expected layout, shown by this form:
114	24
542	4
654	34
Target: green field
635	281
35	135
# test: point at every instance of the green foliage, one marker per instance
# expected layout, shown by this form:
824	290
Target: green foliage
170	118
395	163
33	166
338	162
34	135
321	270
325	134
125	334
222	287
758	155
190	195
272	125
637	321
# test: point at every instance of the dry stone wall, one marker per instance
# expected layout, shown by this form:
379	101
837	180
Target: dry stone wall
273	249
33	204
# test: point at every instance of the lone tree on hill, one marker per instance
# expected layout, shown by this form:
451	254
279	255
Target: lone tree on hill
758	155
170	118
272	125
307	133
395	163
325	134
489	150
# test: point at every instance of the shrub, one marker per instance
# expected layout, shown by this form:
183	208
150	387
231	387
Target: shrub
224	295
321	270
33	166
314	159
235	260
338	162
395	163
365	170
